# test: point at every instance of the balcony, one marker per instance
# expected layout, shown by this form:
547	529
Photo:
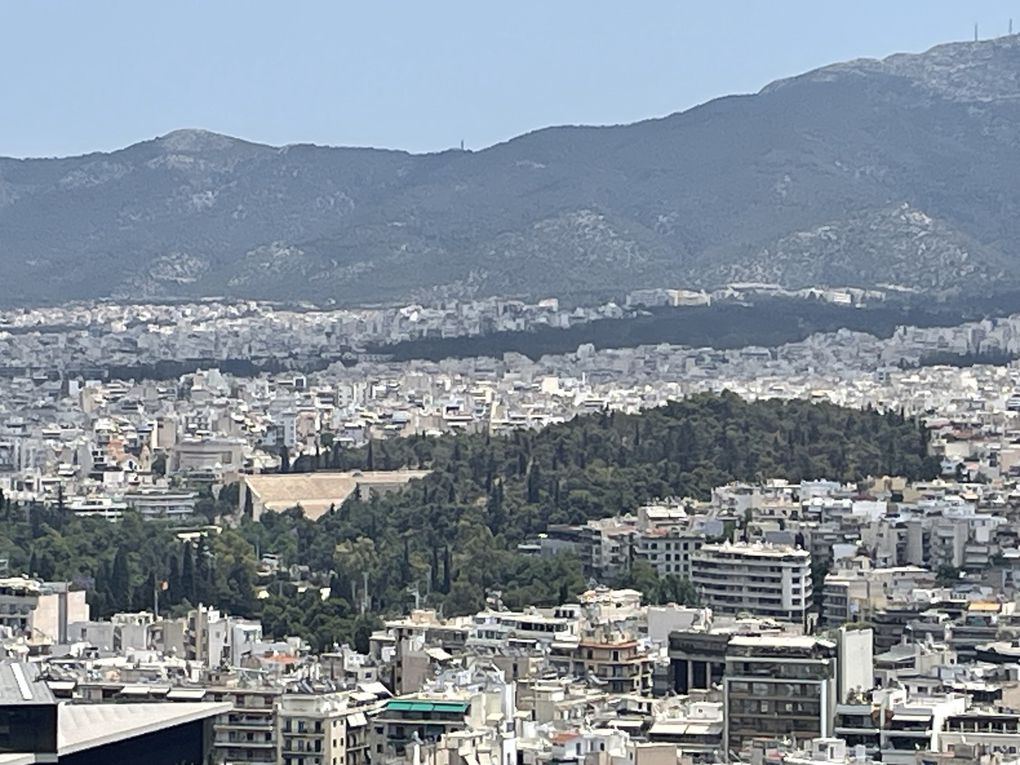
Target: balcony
239	743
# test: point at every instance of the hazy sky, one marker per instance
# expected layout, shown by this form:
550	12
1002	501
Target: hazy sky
83	75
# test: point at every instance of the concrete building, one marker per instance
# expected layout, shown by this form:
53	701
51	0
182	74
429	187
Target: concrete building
40	611
154	503
403	721
248	733
620	665
778	686
215	458
760	579
323	729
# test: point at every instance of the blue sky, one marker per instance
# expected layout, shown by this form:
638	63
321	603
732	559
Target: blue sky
89	75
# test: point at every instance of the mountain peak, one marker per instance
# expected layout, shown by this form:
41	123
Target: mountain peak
978	71
803	190
196	139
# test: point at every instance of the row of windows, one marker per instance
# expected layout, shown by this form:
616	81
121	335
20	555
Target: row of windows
770	670
686	546
766	706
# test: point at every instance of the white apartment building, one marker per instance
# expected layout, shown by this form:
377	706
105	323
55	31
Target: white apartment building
39	611
154	503
761	579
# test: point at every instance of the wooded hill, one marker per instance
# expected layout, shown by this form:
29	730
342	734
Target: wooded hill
454	534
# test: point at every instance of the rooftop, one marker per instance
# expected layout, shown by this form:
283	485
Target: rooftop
85	726
20	684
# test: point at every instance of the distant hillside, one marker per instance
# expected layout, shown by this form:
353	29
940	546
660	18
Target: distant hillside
901	171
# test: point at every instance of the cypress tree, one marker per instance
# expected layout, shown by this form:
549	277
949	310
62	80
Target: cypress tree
120	581
188	575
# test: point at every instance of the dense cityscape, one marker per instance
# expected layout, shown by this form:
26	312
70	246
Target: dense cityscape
864	611
485	395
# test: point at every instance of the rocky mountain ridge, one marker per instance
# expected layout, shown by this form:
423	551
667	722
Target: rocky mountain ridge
900	171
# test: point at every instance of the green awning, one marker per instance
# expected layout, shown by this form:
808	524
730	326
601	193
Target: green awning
406	705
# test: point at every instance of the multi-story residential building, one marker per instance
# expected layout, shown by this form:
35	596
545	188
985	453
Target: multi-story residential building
668	550
19	597
214	638
915	725
40	611
778	686
405	721
697	730
249	734
323	729
760	579
996	732
697	659
156	503
619	664
981	623
854	592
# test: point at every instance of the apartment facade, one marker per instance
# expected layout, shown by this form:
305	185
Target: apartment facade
762	579
621	666
778	686
322	729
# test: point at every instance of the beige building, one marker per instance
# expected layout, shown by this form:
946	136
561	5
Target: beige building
323	729
249	732
619	665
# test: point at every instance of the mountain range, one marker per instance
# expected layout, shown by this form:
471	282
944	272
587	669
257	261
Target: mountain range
902	171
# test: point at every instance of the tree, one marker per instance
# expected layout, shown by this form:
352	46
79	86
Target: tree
946	575
188	575
484	496
120	581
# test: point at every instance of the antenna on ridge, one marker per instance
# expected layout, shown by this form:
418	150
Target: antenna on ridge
462	140
1011	26
975	32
